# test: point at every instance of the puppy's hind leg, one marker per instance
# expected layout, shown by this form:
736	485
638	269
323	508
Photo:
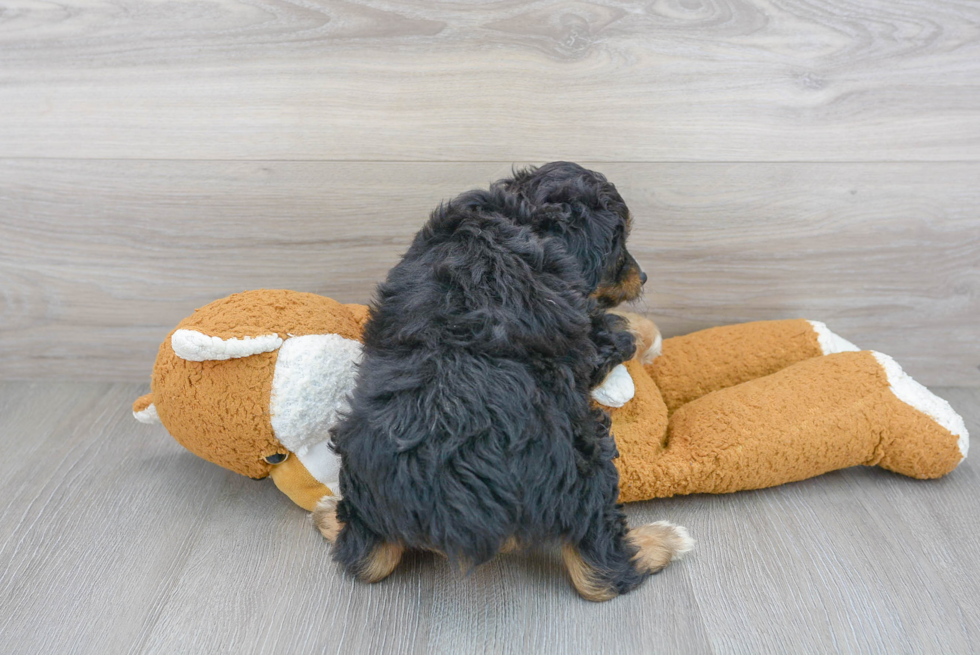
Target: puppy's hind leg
325	518
658	544
611	560
362	552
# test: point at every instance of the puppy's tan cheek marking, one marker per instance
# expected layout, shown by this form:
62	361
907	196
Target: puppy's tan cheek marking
632	286
381	562
609	294
584	577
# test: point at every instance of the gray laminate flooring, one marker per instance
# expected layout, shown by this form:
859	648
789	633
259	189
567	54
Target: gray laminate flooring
113	539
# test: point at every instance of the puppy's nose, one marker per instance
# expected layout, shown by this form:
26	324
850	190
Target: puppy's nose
643	277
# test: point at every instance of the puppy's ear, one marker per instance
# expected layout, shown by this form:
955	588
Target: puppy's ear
554	219
584	239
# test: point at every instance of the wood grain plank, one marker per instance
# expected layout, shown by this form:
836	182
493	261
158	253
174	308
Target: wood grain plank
940	521
114	539
525	603
91	535
603	80
99	260
262	581
828	558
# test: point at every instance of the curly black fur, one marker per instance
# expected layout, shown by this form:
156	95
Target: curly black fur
471	422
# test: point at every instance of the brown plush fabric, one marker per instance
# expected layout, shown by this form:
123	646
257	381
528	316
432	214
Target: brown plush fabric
219	410
142	403
819	415
639	428
913	444
361	313
254	313
696	364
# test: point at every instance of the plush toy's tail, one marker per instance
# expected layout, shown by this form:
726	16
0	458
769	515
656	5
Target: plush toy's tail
144	411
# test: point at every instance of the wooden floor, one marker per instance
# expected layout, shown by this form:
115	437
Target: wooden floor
113	539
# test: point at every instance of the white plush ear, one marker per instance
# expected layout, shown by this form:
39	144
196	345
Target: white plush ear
196	346
617	389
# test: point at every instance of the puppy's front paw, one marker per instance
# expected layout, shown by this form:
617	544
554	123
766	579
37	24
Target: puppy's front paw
616	390
659	543
325	518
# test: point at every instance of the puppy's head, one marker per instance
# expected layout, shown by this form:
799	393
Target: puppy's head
585	211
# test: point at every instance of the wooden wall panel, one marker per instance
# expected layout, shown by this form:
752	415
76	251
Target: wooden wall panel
413	80
816	157
99	259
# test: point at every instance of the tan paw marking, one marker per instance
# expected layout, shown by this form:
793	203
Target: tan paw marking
659	543
381	562
584	578
325	518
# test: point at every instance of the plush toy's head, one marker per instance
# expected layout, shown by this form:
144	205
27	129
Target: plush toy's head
254	382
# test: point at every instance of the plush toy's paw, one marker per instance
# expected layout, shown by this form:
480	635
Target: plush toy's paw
325	518
648	340
616	390
831	342
659	544
913	394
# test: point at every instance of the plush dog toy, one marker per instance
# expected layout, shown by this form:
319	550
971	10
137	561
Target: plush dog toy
254	382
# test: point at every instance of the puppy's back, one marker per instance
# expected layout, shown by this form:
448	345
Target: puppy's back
462	426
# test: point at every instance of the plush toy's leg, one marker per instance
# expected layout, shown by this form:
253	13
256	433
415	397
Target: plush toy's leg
818	415
361	551
696	364
295	480
639	428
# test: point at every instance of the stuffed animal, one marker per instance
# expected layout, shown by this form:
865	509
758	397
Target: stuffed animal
760	404
254	382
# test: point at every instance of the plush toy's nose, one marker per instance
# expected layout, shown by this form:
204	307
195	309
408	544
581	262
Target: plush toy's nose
643	277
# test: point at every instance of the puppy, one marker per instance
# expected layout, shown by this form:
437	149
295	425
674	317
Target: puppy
471	429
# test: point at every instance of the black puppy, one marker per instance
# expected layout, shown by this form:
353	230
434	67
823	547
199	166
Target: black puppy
471	429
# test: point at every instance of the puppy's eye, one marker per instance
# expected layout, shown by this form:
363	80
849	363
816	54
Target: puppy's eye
276	458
